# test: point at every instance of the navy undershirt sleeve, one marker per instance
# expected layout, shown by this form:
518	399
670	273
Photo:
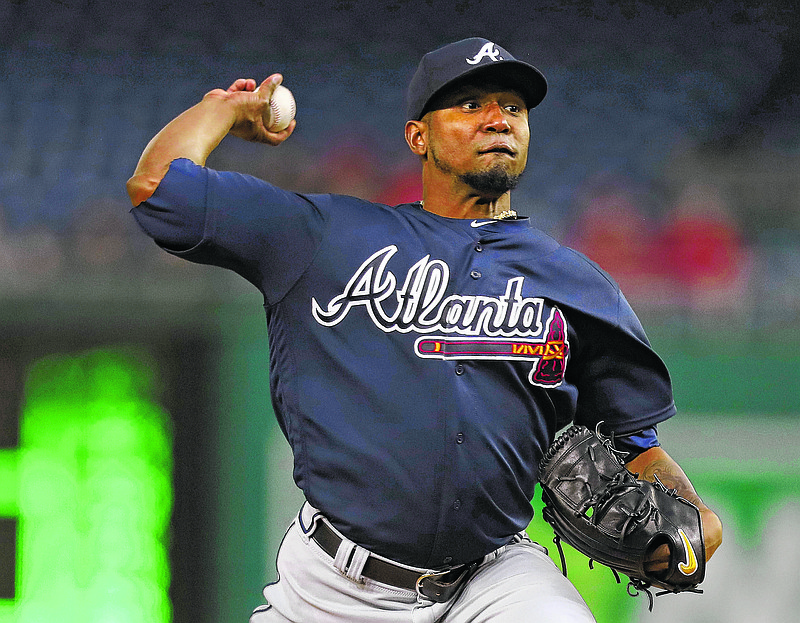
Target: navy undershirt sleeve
637	442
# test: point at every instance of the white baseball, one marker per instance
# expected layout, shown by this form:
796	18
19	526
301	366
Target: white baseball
281	111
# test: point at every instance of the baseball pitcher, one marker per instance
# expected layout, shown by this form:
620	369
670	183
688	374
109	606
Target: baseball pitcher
425	359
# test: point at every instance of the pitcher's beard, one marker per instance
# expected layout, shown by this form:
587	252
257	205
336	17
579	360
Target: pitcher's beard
495	181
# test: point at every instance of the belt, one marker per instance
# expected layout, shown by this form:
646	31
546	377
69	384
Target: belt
438	587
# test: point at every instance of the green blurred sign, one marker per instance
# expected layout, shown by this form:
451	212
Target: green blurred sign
90	488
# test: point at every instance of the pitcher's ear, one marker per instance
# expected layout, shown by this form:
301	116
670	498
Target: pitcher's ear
417	136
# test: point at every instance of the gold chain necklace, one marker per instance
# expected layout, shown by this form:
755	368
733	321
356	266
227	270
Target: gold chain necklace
505	214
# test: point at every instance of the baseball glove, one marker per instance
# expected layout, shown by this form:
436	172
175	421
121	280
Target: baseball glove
596	505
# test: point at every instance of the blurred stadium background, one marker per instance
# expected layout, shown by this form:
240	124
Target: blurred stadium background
142	477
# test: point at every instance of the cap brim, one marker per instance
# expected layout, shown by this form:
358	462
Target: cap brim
518	75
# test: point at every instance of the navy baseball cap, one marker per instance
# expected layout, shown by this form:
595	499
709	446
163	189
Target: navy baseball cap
441	67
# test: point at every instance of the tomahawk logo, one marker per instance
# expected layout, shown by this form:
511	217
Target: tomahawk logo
489	50
547	354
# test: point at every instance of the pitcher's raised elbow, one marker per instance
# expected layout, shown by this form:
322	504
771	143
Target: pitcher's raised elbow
141	187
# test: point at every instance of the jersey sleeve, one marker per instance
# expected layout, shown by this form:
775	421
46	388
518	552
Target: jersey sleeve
266	234
621	381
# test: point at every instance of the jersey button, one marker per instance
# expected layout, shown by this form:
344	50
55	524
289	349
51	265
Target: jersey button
475	274
479	247
460	438
459	369
457	504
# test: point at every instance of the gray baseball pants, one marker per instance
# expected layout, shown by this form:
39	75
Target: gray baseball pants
517	583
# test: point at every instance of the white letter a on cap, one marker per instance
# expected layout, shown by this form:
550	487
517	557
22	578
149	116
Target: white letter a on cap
489	50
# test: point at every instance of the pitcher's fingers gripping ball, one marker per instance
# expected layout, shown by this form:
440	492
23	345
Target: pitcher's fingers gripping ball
596	505
282	109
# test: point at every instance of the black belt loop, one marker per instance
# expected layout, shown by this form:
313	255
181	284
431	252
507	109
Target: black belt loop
438	587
